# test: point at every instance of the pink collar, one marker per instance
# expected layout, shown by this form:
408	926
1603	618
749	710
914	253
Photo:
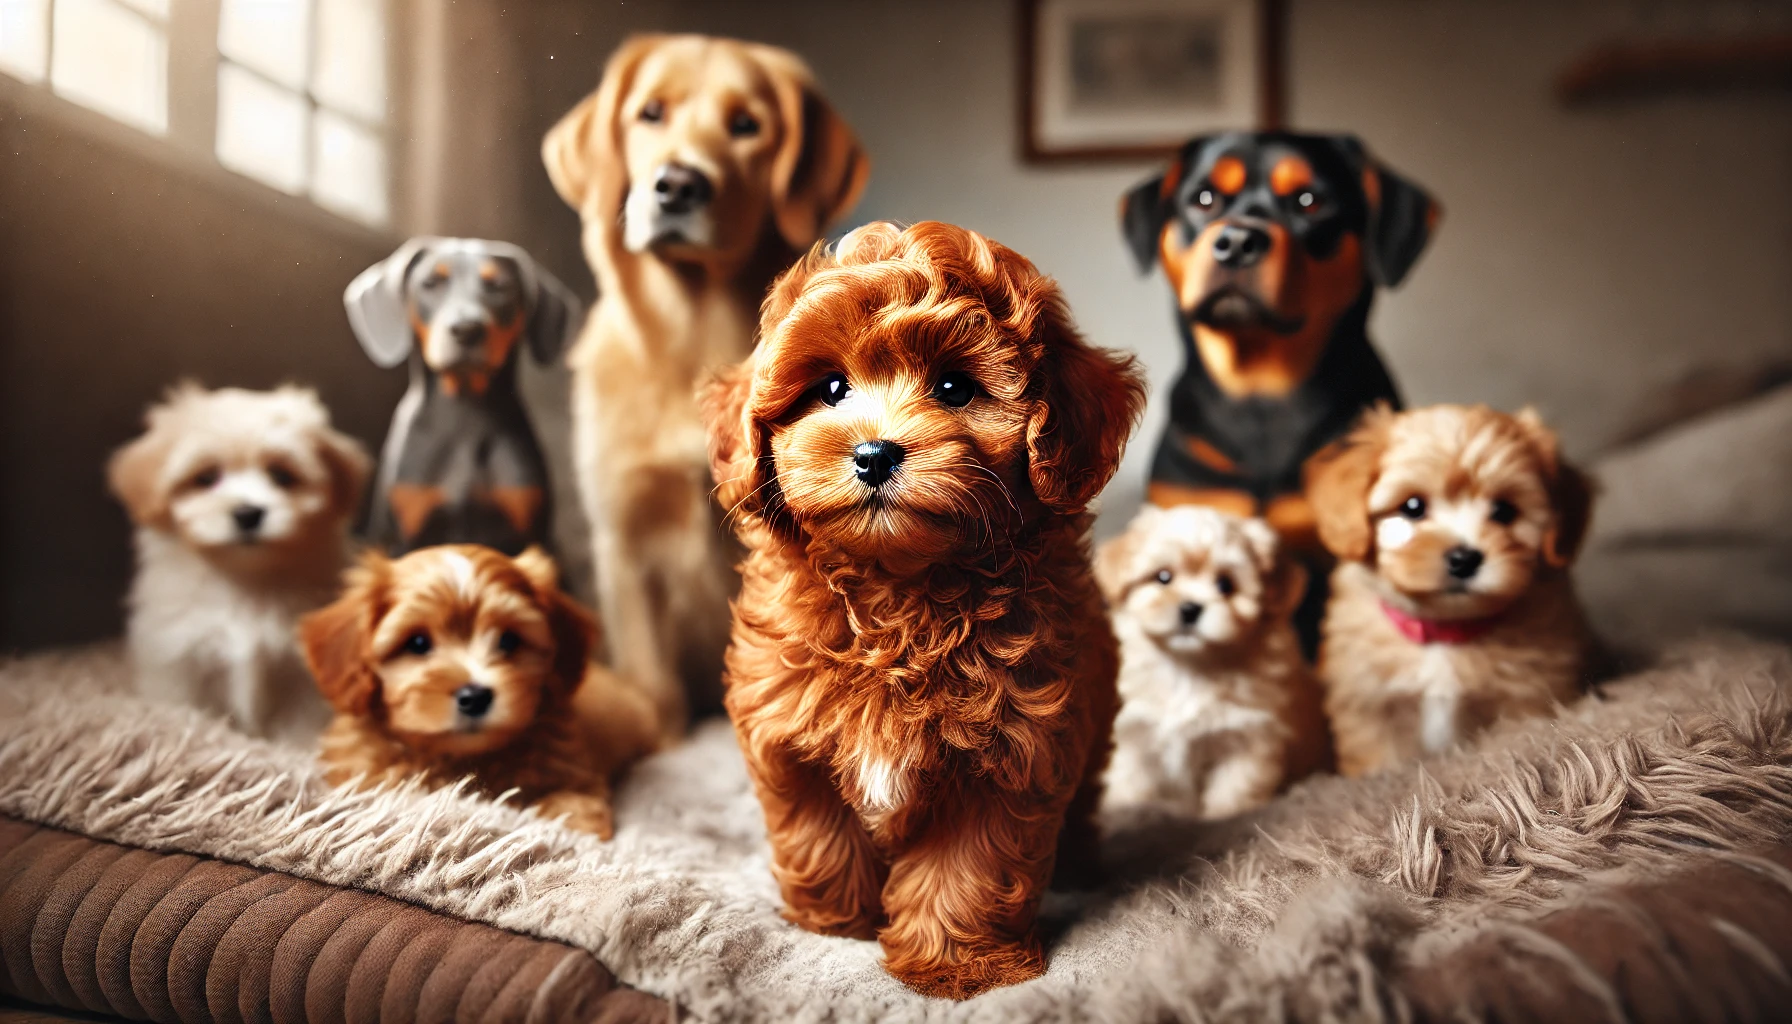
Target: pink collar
1437	631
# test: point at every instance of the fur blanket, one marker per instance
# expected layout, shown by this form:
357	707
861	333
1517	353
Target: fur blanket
1315	908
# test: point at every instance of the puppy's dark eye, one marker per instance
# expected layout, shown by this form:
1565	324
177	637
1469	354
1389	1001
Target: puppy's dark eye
743	125
1165	576
283	478
955	389
206	478
1226	584
508	641
1205	199
417	643
1413	507
832	389
1306	200
1504	512
653	112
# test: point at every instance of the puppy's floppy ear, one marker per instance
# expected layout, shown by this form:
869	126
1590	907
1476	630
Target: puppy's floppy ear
134	476
1338	479
1401	215
335	639
1570	493
349	467
1088	401
820	169
734	441
575	630
583	151
1113	558
1284	577
376	305
1147	207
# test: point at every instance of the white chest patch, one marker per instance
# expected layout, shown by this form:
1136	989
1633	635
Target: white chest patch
882	783
1440	692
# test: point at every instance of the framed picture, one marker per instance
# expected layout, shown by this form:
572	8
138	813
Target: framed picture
1134	79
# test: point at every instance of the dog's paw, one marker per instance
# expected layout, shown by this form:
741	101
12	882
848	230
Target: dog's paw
971	972
582	812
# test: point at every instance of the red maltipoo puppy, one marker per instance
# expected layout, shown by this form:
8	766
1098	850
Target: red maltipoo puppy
455	662
921	675
1451	605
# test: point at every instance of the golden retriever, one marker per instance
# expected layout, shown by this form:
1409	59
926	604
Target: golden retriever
701	168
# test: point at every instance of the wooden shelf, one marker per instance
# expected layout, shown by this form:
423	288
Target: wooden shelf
1660	67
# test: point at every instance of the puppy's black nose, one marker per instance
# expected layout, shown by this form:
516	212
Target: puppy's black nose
681	189
1190	612
1240	245
473	700
874	461
467	333
248	517
1463	561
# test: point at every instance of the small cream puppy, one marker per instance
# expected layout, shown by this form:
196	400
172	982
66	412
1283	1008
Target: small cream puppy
1218	710
241	501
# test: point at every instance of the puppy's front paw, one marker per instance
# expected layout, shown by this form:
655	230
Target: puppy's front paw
582	811
968	973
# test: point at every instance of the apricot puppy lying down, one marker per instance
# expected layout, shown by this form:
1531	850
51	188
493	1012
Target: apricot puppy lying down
455	662
921	676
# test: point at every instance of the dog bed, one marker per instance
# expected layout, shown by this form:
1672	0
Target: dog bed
1626	862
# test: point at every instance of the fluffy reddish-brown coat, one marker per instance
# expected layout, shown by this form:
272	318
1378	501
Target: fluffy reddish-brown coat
923	683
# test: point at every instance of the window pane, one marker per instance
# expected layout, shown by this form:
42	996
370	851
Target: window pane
350	74
350	173
110	58
23	33
271	36
261	128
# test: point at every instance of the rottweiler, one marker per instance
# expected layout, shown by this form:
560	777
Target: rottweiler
1274	243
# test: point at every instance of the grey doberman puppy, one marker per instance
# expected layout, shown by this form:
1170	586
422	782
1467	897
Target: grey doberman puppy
461	464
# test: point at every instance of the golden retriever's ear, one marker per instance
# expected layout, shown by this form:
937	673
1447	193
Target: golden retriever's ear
336	638
583	152
1088	402
820	169
1570	492
1338	478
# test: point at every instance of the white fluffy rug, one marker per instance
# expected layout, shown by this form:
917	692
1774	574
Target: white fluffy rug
1311	908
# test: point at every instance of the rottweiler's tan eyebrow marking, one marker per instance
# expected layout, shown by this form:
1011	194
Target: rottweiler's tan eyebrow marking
1290	174
1228	175
489	271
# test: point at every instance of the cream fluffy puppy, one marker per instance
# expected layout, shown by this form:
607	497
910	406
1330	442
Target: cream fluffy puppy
241	501
1451	605
1218	709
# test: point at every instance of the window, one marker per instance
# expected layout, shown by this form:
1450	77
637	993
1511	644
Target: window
110	55
300	102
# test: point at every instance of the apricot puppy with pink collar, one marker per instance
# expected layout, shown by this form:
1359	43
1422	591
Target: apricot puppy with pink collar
1452	607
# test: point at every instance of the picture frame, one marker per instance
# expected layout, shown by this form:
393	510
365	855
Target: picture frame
1105	80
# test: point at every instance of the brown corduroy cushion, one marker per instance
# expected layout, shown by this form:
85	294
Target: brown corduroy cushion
178	939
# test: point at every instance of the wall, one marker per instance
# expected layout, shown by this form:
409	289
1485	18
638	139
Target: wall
1585	257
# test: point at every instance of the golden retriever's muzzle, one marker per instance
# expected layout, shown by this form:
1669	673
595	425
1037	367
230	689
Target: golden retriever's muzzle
674	207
